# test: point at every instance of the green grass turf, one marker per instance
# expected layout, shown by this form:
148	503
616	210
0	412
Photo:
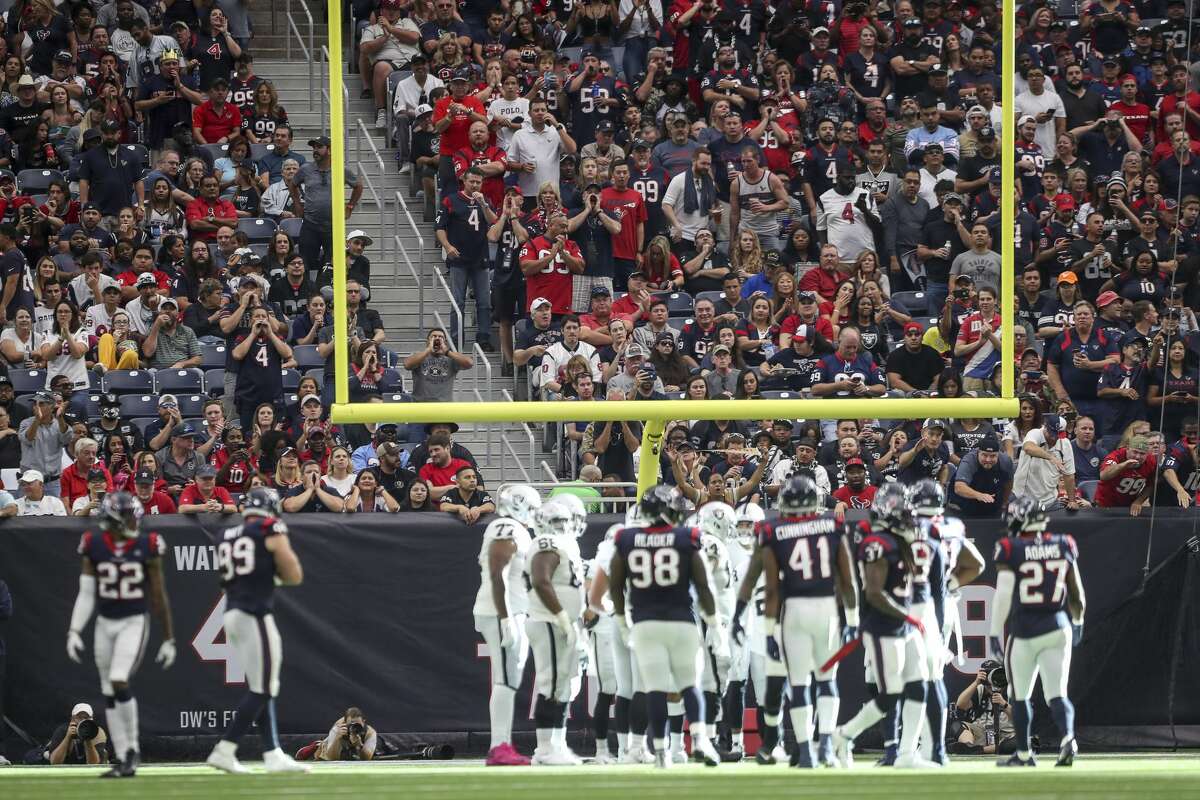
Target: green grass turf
1125	776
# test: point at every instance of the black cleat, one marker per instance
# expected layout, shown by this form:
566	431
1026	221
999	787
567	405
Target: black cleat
126	769
732	756
1066	752
764	757
1016	761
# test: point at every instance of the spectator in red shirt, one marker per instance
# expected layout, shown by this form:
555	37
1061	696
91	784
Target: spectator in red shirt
154	501
204	496
547	262
215	120
75	477
233	460
488	159
208	212
825	279
1126	477
626	205
1136	113
855	492
440	469
452	118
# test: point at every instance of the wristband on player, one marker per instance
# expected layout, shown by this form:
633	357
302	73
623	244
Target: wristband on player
711	620
852	617
915	622
562	620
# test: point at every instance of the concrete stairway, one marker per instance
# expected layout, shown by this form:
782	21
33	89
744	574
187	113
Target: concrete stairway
395	293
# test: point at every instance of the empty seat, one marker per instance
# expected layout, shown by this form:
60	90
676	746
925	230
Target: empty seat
95	381
37	181
214	379
27	381
214	151
258	229
714	296
316	372
129	381
779	395
212	356
192	405
140	154
307	357
143	423
189	380
259	151
291	380
139	405
910	301
679	304
291	226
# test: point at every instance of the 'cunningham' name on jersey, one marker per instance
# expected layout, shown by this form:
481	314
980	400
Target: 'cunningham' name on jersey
814	527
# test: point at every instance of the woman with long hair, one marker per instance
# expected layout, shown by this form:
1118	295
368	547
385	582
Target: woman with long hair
418	496
306	325
697	388
874	337
20	344
549	200
799	249
367	496
49	30
726	335
747	386
44	271
171	259
661	267
160	214
116	106
247	197
287	470
367	373
193	171
63	115
1029	417
952	54
949	384
66	346
128	230
118	347
448	57
843	306
1174	392
119	462
340	477
596	23
14	68
667	360
265	115
888	463
1146	281
784	300
866	268
746	257
759	338
237	152
35	150
278	255
525	33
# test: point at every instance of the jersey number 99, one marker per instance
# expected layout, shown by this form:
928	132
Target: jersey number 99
235	558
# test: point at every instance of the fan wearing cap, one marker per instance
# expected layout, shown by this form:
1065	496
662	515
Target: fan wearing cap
1152	239
68	747
927	456
983	481
34	500
1123	386
165	98
312	199
170	344
386	46
106	174
215	120
179	460
98	486
855	492
914	366
204	496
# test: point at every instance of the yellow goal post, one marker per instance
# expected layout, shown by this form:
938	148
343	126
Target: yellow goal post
655	414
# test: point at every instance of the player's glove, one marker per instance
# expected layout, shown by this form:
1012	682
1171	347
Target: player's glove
737	630
75	646
508	632
1076	633
849	633
166	654
773	648
916	623
563	622
996	645
714	638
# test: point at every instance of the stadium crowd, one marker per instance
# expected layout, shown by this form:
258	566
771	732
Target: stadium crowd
703	200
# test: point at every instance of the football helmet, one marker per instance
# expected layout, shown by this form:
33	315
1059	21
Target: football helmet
893	510
663	505
519	502
747	516
577	511
1025	514
120	514
261	501
800	495
928	498
633	515
554	519
719	520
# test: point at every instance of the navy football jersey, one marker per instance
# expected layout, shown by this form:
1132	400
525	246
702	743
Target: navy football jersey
247	566
1041	563
120	566
927	560
658	561
881	546
651	185
806	549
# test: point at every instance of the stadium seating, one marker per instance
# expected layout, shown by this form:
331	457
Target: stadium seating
180	380
27	381
139	405
679	304
34	181
258	230
291	227
133	381
212	356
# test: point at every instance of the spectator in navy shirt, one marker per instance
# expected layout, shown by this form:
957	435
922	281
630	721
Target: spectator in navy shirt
983	481
1123	387
847	372
1076	357
926	456
1088	454
463	221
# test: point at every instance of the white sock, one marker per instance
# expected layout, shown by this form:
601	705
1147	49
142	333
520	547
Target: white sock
622	743
698	731
802	723
129	720
559	738
827	713
912	720
544	742
660	745
737	739
500	708
226	748
116	732
868	716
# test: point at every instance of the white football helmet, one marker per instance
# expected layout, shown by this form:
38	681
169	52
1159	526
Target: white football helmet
519	502
747	516
576	509
719	520
633	515
554	519
613	530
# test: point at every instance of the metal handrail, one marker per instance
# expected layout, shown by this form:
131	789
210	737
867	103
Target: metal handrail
481	357
311	50
401	205
358	135
383	243
529	437
438	277
546	468
516	458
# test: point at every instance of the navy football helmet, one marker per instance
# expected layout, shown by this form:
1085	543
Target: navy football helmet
893	510
663	505
1025	514
261	501
120	513
928	498
800	495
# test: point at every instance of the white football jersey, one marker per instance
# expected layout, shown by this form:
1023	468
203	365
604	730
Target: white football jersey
567	578
720	574
592	566
514	587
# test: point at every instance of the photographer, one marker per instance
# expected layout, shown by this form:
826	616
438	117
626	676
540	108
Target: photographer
350	739
79	741
982	715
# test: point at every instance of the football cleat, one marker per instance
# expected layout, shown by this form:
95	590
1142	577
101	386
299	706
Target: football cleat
226	760
802	756
604	759
554	758
706	751
278	761
662	759
1066	752
127	768
915	761
1016	761
503	755
764	757
843	748
733	755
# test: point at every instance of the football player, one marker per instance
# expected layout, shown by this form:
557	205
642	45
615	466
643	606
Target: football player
253	558
554	582
500	611
662	563
629	717
807	566
739	660
1041	634
953	562
718	530
121	572
892	635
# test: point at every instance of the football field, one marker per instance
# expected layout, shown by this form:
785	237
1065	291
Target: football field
1095	776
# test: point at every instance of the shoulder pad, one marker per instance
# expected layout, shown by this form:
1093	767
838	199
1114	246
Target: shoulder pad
158	545
545	544
273	527
874	547
85	543
500	528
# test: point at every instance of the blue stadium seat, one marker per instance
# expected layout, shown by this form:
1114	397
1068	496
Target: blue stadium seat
257	230
192	405
260	151
1088	489
316	372
307	357
180	380
291	380
93	406
214	151
291	227
713	296
27	381
142	423
679	304
95	381
911	301
779	395
129	381
139	405
37	181
391	382
212	356
214	380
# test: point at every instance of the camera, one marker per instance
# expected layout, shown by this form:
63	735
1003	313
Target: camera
518	120
356	729
962	294
87	729
996	677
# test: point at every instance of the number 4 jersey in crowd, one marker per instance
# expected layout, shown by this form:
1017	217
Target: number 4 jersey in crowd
120	566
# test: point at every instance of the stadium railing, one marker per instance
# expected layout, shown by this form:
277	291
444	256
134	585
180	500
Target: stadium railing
309	51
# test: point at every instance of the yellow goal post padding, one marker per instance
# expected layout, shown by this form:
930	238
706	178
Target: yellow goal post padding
656	413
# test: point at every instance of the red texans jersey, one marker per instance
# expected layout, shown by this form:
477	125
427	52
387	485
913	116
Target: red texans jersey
493	187
1121	491
120	566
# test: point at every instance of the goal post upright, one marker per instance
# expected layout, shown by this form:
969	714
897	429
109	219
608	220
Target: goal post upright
654	414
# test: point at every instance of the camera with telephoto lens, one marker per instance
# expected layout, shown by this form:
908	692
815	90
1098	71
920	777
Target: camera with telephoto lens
995	676
87	729
356	729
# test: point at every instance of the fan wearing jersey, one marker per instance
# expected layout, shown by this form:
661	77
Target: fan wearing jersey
892	635
548	262
500	612
121	575
807	566
717	523
1039	593
253	558
261	352
629	704
554	585
848	219
756	197
658	564
945	560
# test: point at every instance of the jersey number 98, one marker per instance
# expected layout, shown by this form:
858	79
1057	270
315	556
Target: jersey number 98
660	568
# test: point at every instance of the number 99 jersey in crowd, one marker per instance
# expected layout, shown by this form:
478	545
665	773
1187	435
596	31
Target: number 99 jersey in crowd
247	566
658	560
120	565
1040	564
